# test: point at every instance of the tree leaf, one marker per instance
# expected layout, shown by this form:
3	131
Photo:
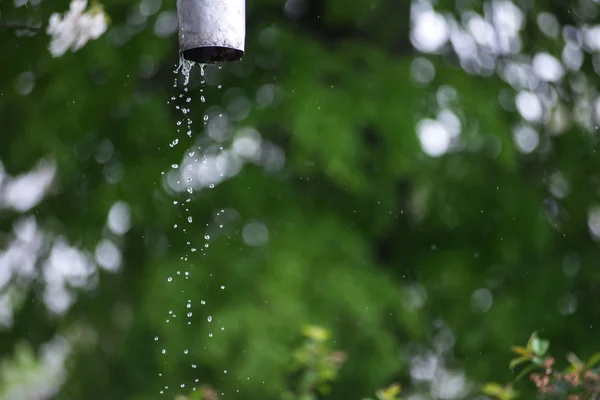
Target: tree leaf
526	372
593	360
492	389
575	361
518	361
521	351
498	391
540	346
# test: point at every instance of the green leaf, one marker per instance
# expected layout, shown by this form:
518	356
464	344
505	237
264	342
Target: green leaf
498	391
532	338
521	351
593	360
492	389
517	361
540	346
575	361
526	372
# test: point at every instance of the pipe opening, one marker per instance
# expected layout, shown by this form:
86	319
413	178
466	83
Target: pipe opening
212	54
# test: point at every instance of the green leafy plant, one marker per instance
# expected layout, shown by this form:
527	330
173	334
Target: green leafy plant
315	364
392	392
579	380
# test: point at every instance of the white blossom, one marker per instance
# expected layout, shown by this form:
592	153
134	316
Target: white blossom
74	29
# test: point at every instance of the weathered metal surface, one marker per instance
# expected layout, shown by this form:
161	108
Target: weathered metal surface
212	31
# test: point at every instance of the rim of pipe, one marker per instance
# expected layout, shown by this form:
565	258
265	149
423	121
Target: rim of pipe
212	54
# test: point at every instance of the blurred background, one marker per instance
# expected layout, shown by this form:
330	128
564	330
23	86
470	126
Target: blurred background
420	179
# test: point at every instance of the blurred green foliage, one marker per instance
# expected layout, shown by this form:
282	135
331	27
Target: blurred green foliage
318	366
369	237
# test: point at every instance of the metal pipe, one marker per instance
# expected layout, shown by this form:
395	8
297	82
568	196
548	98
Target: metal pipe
211	31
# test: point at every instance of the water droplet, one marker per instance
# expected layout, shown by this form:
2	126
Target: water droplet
222	286
169	279
212	185
164	351
209	318
206	237
185	352
202	302
210	335
189	219
206	117
189	314
174	166
156	338
202	99
190	190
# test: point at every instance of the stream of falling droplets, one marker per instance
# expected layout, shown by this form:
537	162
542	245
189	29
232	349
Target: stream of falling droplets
185	123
